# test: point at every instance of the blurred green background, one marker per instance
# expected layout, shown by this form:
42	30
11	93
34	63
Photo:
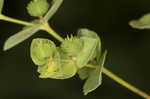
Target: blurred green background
128	50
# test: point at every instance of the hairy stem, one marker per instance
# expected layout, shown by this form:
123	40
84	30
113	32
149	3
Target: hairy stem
13	20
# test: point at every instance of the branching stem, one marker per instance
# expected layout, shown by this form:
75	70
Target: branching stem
47	28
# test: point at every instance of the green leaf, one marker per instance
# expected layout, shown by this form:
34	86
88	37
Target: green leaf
69	68
20	37
83	32
95	78
1	5
84	72
58	69
141	23
91	41
52	69
55	5
86	54
42	51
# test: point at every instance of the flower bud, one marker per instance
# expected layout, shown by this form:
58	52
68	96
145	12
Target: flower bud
72	46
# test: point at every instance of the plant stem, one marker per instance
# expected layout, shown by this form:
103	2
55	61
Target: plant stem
48	28
121	82
125	84
9	19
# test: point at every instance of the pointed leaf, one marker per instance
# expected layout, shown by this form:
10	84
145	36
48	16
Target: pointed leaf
95	78
55	5
20	37
1	5
141	23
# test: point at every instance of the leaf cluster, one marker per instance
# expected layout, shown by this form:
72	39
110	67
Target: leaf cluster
72	57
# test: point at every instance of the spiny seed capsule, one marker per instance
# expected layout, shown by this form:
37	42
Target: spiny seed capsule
38	8
72	46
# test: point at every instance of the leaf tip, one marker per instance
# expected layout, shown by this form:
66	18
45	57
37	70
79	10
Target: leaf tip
135	24
5	47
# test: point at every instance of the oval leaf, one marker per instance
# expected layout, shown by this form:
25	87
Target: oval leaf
95	78
20	37
83	32
55	5
87	52
141	23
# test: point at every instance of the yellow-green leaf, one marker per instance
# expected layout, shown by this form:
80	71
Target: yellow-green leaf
95	78
20	37
141	23
55	70
86	54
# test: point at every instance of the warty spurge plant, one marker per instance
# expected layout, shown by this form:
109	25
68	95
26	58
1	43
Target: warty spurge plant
80	54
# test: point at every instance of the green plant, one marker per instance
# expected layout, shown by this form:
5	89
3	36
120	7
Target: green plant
80	54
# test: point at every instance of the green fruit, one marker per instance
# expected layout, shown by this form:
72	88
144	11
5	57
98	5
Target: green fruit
42	51
38	8
72	46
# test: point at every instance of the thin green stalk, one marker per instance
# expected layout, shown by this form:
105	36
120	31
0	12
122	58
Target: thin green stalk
48	28
125	84
9	19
